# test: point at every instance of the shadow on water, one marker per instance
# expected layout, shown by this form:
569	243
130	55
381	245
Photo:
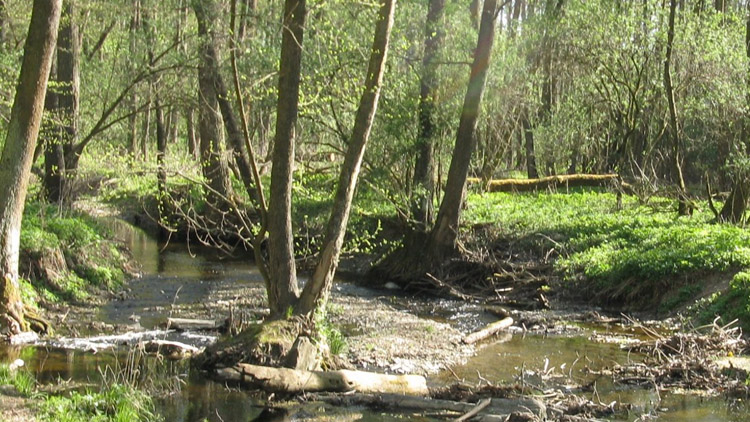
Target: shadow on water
181	275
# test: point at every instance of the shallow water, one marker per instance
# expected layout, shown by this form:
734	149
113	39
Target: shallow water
176	274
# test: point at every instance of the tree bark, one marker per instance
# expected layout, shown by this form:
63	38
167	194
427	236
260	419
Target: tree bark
213	164
234	135
192	139
683	205
282	288
54	157
18	150
424	170
444	234
528	133
297	381
67	106
316	292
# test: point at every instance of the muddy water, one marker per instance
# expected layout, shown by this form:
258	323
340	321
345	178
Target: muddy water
176	274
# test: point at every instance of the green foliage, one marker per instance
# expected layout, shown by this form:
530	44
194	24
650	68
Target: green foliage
607	247
731	304
87	255
313	197
116	403
20	379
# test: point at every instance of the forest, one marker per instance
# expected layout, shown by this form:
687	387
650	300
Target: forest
486	210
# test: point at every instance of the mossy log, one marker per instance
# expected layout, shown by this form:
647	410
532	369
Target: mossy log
553	182
298	381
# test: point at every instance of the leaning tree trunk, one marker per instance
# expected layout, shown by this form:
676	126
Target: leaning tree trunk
683	205
424	169
316	292
282	288
444	235
15	163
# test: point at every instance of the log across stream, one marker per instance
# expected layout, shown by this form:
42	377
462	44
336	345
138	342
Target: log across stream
185	282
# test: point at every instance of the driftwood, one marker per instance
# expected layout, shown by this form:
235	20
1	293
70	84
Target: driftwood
495	410
185	324
299	381
488	331
553	182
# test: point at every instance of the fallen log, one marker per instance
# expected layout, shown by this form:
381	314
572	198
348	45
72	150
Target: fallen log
496	409
553	182
488	331
186	324
172	350
298	381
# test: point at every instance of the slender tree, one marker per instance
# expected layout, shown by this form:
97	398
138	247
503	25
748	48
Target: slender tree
444	235
283	291
735	206
424	169
18	150
316	292
674	126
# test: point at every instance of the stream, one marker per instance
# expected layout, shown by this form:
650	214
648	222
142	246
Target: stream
178	275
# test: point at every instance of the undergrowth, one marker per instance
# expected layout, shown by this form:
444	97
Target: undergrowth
66	255
115	403
615	251
729	305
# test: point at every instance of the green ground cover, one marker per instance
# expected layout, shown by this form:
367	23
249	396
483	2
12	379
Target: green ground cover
624	254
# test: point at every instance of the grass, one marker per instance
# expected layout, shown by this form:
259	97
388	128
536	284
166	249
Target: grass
616	252
115	403
20	379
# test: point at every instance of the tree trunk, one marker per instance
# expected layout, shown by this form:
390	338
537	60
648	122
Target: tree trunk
68	104
316	292
424	169
213	164
135	24
282	288
192	139
443	236
683	205
528	133
3	18
15	163
54	158
234	135
734	208
161	153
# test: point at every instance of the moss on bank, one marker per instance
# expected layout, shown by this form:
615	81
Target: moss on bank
67	256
